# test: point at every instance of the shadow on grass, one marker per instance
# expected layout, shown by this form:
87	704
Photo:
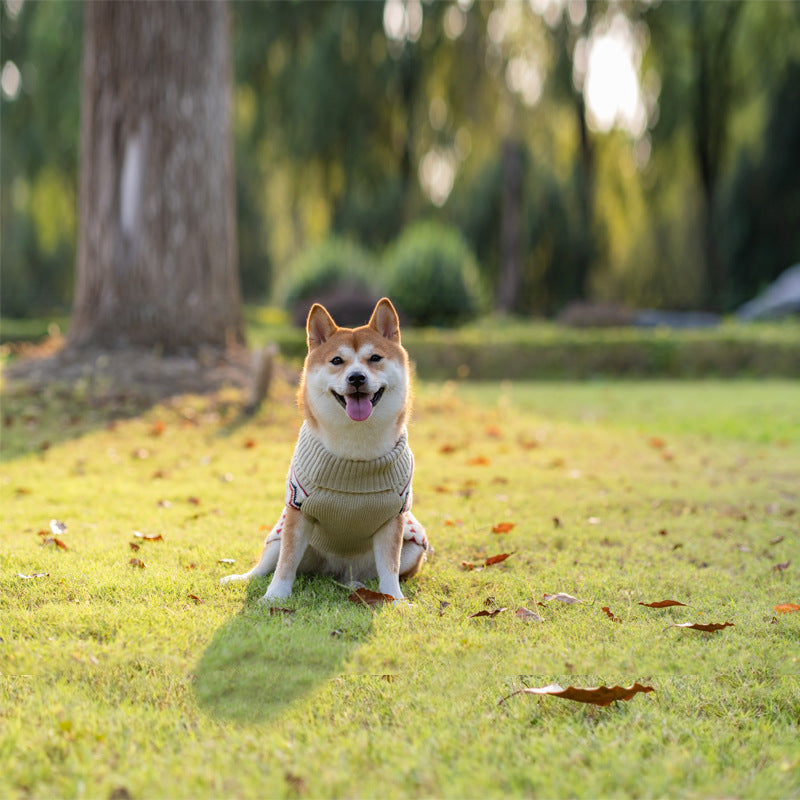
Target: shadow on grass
259	662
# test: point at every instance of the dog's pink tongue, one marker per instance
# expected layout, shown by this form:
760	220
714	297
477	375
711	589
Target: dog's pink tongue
358	407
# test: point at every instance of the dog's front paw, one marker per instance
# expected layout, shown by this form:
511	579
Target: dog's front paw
234	579
278	590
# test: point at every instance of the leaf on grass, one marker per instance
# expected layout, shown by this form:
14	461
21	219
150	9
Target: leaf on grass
137	562
149	537
503	527
195	598
496	559
275	610
610	614
568	599
469	566
478	461
487	613
227	561
57	527
599	696
135	547
47	574
662	604
700	626
781	567
777	540
56	541
787	608
368	597
159	426
527	615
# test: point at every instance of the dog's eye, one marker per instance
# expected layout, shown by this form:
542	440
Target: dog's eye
376	358
337	360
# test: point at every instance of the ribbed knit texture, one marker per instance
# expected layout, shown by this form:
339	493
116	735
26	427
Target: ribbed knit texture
349	499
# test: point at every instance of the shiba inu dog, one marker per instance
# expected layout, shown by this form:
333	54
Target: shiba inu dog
348	491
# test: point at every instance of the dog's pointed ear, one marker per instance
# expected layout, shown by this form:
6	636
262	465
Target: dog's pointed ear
319	327
384	320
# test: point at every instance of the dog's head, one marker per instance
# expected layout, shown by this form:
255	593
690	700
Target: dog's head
355	376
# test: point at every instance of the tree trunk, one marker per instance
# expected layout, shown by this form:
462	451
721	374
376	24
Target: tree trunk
157	259
511	227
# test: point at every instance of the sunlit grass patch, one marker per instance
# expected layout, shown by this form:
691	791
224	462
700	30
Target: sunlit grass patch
158	681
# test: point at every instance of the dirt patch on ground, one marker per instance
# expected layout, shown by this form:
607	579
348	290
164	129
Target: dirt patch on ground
142	375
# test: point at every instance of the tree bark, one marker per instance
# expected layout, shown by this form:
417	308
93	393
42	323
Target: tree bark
157	258
511	228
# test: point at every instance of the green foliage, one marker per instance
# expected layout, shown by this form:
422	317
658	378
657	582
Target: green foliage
432	277
118	680
333	264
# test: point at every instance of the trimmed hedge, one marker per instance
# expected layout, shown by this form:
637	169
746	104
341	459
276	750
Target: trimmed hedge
549	351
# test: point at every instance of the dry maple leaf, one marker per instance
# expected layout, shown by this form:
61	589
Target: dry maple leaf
787	608
701	626
610	614
599	695
662	604
781	567
137	562
503	527
195	598
367	597
496	559
568	599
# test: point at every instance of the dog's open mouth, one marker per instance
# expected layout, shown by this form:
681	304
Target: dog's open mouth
358	405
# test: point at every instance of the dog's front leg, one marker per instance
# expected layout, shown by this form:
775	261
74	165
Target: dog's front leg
386	545
294	541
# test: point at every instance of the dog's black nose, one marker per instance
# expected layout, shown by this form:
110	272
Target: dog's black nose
356	379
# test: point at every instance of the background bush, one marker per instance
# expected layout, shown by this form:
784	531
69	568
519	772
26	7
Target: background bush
337	273
431	276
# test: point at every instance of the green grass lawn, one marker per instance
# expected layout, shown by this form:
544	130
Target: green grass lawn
155	682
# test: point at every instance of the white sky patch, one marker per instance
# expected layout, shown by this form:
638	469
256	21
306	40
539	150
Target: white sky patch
611	82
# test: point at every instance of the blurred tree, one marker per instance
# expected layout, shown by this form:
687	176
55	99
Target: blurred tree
156	246
39	122
759	226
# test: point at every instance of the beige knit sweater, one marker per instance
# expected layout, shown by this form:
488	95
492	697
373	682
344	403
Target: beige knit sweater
348	499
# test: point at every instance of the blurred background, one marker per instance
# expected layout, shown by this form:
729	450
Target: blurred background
639	154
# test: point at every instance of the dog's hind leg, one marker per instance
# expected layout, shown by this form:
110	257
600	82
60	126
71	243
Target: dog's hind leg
269	556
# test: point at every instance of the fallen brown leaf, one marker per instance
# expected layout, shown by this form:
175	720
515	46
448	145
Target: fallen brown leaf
149	537
700	626
662	604
527	615
56	541
487	613
610	614
787	608
781	567
599	696
137	562
503	527
275	610
368	597
195	598
568	599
